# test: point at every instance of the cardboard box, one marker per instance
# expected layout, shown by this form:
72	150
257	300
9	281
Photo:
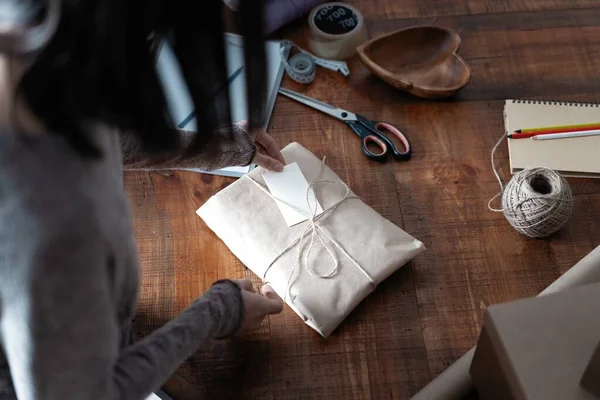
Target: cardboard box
539	348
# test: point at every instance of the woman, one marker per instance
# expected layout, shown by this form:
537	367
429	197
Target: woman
73	73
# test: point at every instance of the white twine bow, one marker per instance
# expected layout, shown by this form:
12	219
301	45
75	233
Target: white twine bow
314	229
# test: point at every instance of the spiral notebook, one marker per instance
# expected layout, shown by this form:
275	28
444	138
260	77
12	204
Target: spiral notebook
573	157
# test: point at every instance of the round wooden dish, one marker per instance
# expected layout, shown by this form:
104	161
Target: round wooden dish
421	60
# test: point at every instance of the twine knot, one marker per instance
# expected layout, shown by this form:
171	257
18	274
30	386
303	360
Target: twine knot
316	231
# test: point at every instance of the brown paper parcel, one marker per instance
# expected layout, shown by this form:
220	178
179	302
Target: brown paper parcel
368	247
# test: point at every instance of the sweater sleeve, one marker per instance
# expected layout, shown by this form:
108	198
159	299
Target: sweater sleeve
223	151
60	332
143	367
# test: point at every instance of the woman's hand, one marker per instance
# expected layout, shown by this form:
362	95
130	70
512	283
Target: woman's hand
268	154
257	306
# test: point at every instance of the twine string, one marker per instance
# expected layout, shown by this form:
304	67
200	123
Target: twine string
536	201
316	231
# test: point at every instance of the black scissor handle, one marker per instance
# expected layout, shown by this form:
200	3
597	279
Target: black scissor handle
373	132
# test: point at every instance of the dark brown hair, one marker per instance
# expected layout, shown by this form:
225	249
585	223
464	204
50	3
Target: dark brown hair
99	67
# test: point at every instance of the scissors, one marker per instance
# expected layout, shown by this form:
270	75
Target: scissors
369	131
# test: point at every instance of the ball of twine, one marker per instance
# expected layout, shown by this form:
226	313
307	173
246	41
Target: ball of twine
537	202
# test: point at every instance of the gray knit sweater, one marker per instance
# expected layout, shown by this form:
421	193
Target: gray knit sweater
69	276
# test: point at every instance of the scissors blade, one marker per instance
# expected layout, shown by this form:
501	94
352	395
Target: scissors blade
335	112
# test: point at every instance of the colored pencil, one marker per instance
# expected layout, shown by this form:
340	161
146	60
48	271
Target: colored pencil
566	135
590	127
562	128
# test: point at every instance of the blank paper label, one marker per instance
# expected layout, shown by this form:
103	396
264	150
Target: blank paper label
290	186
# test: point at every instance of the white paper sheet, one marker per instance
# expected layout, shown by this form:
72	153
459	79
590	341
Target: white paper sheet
234	172
179	100
290	186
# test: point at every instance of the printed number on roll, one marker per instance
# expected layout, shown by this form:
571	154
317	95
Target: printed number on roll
336	29
301	67
323	13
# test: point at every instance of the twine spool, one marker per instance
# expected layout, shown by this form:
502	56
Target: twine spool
537	202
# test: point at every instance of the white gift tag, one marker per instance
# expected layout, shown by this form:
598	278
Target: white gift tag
290	186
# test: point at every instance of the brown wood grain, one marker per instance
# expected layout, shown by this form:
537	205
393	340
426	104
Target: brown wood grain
388	9
429	313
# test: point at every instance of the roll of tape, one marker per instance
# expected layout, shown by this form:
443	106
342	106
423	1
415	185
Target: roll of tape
301	67
336	29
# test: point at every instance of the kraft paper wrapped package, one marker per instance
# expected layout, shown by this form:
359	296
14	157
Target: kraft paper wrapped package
366	247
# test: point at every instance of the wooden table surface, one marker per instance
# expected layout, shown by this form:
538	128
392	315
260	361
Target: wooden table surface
429	313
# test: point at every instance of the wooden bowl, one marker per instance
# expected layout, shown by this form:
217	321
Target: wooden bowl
421	60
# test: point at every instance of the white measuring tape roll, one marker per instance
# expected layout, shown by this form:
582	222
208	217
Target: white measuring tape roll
301	67
336	29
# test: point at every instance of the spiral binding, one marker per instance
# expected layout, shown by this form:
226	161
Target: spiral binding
556	103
